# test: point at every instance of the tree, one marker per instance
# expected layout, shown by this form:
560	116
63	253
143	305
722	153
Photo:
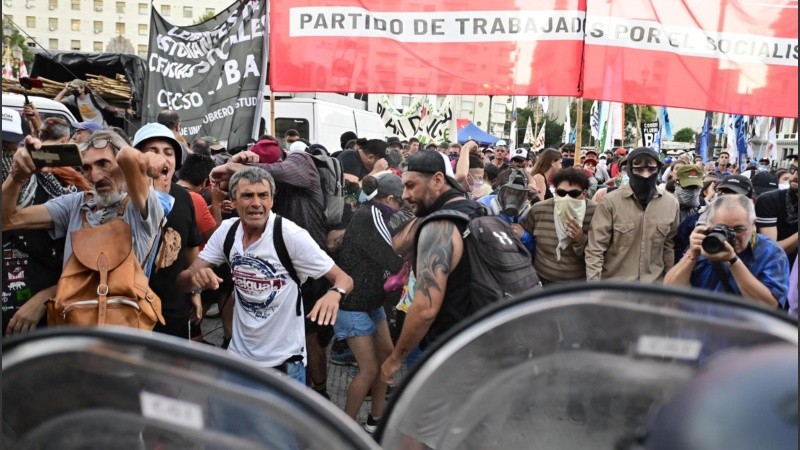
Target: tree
684	135
205	17
19	40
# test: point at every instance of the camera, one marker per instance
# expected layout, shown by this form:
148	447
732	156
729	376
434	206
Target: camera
714	242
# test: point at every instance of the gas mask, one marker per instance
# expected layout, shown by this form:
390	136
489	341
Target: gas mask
512	199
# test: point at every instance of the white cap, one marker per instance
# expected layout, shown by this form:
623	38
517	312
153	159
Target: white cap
519	153
297	146
501	143
12	126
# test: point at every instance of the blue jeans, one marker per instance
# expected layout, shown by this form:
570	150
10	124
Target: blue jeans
351	324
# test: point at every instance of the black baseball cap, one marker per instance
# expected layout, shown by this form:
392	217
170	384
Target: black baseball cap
764	182
432	163
738	184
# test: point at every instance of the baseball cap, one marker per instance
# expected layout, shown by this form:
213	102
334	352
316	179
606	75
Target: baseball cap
764	182
501	143
519	153
155	130
590	160
297	146
268	151
393	140
390	184
738	184
213	143
77	83
689	175
12	126
431	163
488	150
621	152
89	126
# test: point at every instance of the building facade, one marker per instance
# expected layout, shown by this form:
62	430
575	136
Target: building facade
90	25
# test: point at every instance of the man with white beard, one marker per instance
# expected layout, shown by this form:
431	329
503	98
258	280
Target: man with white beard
114	170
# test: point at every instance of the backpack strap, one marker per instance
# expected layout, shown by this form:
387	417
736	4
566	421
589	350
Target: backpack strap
286	261
227	246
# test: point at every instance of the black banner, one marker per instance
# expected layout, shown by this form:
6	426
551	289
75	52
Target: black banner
212	73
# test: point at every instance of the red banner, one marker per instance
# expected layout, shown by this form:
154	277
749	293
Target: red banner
729	56
427	46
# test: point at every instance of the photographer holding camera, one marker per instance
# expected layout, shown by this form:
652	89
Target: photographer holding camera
727	255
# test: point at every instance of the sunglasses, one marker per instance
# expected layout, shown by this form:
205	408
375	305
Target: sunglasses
574	193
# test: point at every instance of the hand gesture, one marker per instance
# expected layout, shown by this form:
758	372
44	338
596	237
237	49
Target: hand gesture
325	310
380	166
575	231
156	165
205	278
246	157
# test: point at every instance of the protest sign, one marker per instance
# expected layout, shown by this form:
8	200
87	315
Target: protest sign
212	74
649	133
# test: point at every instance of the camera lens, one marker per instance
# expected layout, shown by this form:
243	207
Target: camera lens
714	242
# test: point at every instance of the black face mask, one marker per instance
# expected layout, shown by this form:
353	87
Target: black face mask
643	188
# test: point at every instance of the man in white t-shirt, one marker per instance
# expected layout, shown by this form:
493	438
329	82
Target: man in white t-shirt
267	328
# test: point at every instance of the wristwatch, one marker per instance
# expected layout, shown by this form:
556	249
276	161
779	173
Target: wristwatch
341	292
733	260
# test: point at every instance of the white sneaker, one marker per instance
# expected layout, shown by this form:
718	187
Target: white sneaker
371	424
213	311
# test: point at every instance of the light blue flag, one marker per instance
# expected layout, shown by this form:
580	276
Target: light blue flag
665	123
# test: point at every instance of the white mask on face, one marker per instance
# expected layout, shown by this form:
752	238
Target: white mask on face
783	186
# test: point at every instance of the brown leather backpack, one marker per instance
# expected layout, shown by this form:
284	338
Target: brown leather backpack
103	282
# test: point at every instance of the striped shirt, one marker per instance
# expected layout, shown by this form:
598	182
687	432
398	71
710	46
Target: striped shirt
541	224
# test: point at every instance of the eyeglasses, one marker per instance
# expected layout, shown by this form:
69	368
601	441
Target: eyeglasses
574	193
645	170
739	231
97	143
792	169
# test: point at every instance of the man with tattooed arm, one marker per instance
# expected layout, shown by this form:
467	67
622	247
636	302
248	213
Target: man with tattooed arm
442	286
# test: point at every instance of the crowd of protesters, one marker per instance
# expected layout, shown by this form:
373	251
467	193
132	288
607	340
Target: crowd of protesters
227	225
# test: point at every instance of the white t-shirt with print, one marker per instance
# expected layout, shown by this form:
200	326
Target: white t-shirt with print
266	327
88	111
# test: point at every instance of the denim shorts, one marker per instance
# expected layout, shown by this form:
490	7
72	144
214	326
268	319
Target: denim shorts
358	323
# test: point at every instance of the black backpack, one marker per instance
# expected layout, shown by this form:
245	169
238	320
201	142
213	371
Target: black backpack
500	265
331	179
280	249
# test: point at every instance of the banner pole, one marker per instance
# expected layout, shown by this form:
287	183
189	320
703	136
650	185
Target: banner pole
578	132
272	130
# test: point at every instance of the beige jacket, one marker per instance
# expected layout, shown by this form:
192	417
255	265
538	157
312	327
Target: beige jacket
629	244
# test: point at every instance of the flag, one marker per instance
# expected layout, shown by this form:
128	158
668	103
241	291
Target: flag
513	133
618	119
565	136
539	143
657	140
665	124
594	120
604	107
772	141
528	133
23	71
574	135
740	126
704	136
612	124
8	72
730	134
545	101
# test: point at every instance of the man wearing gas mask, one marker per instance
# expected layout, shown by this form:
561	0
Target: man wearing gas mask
511	204
632	234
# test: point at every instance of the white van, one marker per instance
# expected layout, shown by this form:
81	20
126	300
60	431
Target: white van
320	121
45	106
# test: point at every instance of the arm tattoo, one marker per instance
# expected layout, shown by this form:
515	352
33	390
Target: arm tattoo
435	248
